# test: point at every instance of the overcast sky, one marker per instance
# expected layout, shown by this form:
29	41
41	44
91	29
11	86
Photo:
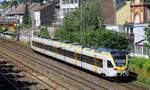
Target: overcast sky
2	0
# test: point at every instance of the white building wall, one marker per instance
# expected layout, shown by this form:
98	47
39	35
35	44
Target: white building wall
37	18
139	33
66	6
138	30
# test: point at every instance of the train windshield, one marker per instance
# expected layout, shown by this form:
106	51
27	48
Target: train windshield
119	59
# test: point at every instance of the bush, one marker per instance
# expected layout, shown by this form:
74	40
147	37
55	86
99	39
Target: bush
3	29
141	66
98	38
44	32
93	34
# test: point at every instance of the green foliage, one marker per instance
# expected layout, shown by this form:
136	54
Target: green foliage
3	29
141	66
91	19
147	35
92	34
98	38
26	16
24	26
72	22
44	32
5	4
32	1
92	15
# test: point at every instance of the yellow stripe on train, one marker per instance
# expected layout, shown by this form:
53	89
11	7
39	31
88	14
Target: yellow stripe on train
120	68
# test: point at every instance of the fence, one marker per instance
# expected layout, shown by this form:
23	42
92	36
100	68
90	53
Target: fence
141	51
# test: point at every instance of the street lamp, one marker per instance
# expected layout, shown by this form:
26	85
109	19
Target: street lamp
17	30
81	21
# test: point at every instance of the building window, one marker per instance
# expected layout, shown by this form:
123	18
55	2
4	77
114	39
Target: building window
119	3
73	1
65	1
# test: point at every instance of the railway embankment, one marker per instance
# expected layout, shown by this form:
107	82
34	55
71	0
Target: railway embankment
141	66
131	85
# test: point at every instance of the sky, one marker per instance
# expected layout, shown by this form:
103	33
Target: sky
2	0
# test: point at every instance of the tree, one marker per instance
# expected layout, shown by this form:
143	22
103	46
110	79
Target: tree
31	1
44	32
92	15
147	36
93	34
26	16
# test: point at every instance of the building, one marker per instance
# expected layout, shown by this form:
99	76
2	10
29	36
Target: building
122	11
148	10
138	40
35	14
108	11
138	12
41	13
64	7
17	12
48	13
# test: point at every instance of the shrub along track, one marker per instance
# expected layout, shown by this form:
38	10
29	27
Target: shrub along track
83	78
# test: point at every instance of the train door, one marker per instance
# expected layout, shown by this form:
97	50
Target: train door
98	65
79	57
108	67
104	71
75	57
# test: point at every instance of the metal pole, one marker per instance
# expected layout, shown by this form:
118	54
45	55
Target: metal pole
81	21
18	31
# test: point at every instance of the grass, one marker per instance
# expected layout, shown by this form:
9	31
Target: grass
141	66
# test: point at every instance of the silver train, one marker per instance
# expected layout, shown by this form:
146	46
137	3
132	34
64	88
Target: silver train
111	63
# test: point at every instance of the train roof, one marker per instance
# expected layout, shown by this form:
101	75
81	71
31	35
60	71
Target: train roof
110	50
69	43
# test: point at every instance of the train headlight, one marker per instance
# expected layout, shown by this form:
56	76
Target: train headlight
115	69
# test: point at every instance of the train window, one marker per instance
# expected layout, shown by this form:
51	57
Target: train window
39	45
34	43
109	64
50	48
99	63
69	54
46	47
54	49
79	56
60	51
88	59
43	46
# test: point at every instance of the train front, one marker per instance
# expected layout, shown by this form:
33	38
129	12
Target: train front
120	60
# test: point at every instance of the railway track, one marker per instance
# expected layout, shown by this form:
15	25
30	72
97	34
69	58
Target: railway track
35	74
90	84
15	78
76	78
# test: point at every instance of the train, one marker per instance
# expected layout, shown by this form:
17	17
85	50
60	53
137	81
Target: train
106	62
